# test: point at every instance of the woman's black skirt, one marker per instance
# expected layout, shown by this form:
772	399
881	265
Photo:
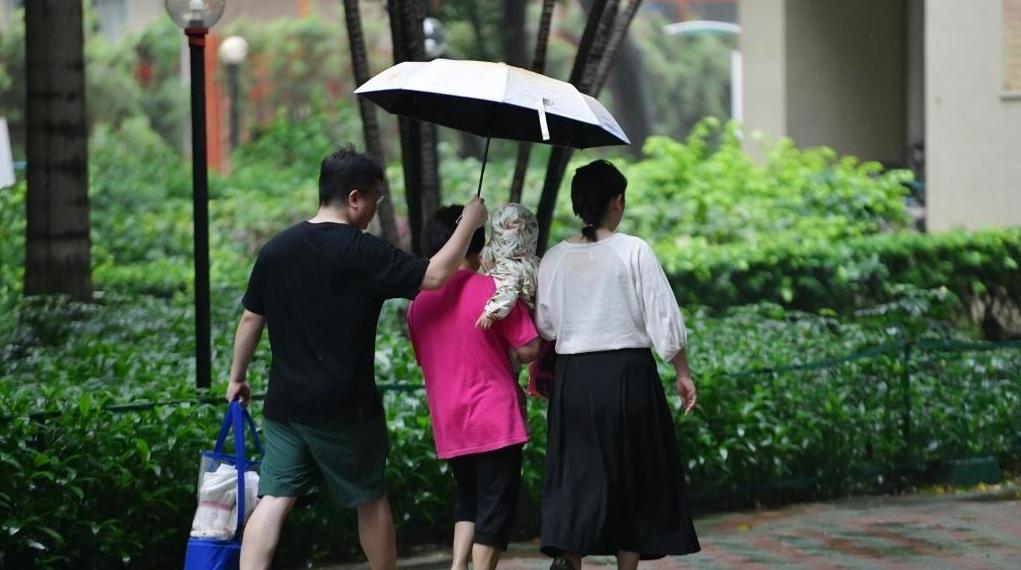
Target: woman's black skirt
614	476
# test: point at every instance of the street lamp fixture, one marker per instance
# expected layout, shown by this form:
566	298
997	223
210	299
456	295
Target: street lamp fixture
195	13
710	27
435	38
233	52
196	17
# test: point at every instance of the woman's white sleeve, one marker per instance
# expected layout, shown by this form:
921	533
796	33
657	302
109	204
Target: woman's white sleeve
543	308
663	321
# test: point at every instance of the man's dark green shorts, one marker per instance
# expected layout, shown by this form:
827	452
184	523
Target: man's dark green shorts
348	458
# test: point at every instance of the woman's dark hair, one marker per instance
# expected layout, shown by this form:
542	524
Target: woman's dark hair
441	226
346	170
592	188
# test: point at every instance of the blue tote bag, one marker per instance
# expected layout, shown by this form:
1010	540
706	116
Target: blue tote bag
224	554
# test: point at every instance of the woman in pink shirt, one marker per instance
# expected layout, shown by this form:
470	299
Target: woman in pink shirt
476	404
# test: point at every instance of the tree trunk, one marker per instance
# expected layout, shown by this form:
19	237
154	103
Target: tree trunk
513	33
604	34
627	83
470	145
418	140
594	41
594	44
57	234
370	123
478	26
538	66
617	35
627	80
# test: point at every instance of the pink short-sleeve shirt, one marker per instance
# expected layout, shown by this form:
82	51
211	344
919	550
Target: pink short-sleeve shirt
474	399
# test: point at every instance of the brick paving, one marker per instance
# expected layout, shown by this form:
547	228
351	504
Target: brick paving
973	530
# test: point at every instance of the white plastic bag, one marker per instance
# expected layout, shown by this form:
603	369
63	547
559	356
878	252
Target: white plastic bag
217	514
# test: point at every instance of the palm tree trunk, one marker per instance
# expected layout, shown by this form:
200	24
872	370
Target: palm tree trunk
633	104
512	35
478	27
594	45
633	108
418	140
616	38
538	66
592	48
57	234
370	123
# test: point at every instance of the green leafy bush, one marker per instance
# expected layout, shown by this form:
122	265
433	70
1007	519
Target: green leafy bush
135	471
132	474
12	246
694	195
783	410
135	77
300	144
89	489
805	229
849	275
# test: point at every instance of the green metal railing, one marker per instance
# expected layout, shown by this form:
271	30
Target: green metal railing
900	373
906	350
903	375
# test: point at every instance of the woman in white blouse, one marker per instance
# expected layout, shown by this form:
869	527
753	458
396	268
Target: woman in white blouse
614	476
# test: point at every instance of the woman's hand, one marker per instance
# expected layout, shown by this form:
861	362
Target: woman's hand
686	390
685	385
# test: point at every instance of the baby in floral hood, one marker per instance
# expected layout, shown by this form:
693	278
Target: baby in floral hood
509	258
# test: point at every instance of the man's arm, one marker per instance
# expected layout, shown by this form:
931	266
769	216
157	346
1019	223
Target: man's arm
446	261
245	341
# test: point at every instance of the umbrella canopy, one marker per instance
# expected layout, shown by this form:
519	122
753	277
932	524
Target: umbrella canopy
494	100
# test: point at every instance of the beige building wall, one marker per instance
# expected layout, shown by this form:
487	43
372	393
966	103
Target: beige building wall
846	76
827	73
763	50
6	10
973	149
141	13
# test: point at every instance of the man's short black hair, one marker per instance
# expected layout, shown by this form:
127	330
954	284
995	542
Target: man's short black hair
441	227
346	170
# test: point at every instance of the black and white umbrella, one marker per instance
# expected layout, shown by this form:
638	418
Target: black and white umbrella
494	100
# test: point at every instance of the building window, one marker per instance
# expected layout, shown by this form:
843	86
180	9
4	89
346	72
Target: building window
1012	48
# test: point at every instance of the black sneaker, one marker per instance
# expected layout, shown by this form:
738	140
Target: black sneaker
560	563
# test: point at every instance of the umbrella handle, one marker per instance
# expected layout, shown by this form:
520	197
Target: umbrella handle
485	155
485	159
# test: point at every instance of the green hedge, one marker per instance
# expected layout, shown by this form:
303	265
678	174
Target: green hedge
103	490
99	490
852	274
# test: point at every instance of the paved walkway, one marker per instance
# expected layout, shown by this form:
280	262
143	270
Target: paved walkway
979	529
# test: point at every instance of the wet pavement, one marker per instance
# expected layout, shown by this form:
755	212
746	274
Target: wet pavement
979	529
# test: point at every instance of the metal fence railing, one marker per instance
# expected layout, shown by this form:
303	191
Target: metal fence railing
905	393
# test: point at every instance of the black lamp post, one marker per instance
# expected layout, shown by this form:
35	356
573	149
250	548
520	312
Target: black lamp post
233	52
196	17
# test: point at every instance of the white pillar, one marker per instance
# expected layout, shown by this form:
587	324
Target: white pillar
6	158
736	86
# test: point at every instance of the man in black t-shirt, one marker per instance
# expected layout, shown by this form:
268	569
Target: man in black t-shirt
319	287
